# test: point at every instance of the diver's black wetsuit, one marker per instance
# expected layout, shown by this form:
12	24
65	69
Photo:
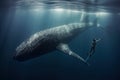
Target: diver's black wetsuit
93	46
92	49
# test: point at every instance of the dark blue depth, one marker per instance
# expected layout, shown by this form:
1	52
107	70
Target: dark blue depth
17	25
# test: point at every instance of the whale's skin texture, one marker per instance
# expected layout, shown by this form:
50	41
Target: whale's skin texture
47	40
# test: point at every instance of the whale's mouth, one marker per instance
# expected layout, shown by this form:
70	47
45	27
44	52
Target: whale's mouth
19	58
22	55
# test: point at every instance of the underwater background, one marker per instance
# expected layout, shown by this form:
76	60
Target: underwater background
21	18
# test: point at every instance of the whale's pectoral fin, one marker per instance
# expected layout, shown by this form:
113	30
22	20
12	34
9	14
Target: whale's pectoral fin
65	48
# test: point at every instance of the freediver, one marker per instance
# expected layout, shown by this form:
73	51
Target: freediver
93	47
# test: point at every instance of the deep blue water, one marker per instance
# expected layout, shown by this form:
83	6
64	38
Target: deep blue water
16	25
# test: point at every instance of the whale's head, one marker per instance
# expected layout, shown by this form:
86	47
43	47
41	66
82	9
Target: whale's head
21	51
34	47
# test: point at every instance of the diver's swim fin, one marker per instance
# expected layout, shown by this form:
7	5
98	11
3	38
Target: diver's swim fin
65	48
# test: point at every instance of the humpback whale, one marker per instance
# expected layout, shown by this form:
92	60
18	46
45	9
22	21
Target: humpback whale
48	40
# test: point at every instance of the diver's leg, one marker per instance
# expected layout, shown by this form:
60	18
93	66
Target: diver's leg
89	54
91	51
